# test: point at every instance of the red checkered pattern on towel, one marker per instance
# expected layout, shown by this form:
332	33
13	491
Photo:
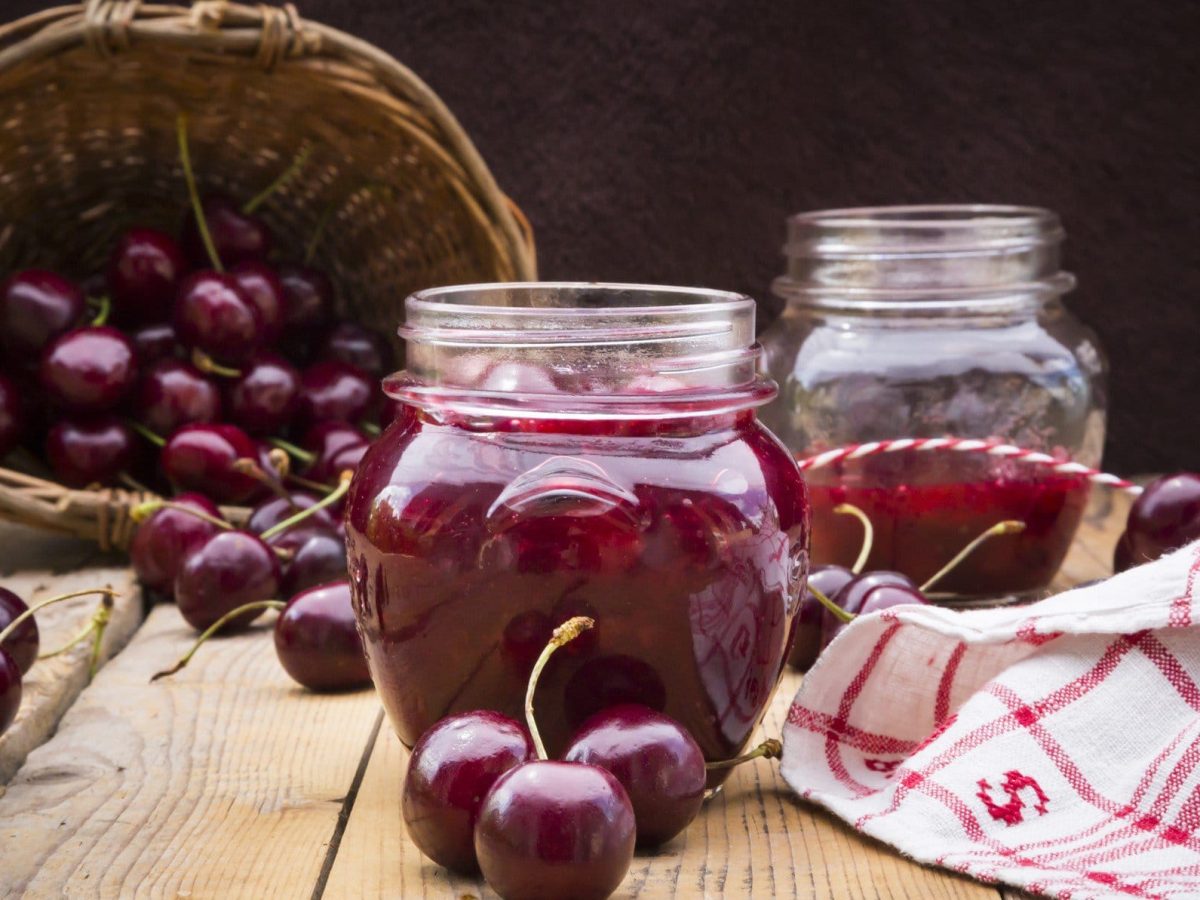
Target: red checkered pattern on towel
1055	747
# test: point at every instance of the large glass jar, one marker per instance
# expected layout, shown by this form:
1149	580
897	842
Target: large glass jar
937	321
579	450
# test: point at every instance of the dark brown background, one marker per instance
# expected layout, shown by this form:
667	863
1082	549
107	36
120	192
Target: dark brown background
667	141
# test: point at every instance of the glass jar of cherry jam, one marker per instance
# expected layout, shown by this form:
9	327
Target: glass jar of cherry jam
579	449
937	321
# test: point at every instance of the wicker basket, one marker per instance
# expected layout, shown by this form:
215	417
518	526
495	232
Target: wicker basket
89	97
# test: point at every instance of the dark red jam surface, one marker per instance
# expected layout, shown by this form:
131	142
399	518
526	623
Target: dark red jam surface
925	507
685	539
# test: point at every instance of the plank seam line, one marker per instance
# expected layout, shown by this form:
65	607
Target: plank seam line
343	818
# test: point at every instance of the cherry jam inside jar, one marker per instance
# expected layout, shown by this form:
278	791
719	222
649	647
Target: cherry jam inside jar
937	322
579	450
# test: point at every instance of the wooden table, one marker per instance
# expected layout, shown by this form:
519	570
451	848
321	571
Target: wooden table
229	781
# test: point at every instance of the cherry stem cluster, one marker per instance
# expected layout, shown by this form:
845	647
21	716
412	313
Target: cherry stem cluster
563	634
328	500
96	627
213	629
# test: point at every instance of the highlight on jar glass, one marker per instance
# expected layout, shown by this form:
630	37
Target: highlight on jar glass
937	322
579	450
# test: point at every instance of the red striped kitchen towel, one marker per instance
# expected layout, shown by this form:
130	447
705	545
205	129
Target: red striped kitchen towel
1054	746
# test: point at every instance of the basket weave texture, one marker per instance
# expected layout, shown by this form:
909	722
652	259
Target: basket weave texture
89	96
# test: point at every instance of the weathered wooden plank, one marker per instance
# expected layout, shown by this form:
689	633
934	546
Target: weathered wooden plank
37	566
224	781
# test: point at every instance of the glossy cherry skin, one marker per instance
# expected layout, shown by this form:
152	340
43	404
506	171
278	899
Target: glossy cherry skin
327	441
885	596
308	295
317	642
200	458
452	767
360	347
810	620
335	390
1165	517
236	236
1123	555
12	416
555	829
265	398
36	306
154	342
213	314
144	270
228	570
173	393
89	369
851	597
22	645
274	510
660	766
319	559
261	284
167	538
10	690
89	451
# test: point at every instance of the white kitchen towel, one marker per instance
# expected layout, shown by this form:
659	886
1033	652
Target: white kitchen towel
1054	746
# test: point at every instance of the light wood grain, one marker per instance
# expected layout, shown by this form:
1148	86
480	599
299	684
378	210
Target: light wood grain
225	781
36	567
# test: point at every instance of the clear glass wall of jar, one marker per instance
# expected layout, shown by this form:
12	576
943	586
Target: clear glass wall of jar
937	321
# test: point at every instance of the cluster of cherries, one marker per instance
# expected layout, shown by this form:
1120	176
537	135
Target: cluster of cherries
1165	517
835	595
198	345
481	794
20	642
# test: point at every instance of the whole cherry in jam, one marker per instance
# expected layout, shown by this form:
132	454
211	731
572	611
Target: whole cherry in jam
89	369
236	236
1163	518
317	642
335	390
201	457
23	643
358	346
230	569
265	397
36	306
213	314
169	536
172	393
144	270
810	619
12	416
451	769
89	450
660	766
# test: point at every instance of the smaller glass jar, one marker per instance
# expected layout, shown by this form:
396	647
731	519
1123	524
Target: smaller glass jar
579	449
937	321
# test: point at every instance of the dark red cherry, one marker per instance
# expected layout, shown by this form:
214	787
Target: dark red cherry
228	570
265	398
89	451
261	284
851	597
358	346
36	306
326	441
154	342
213	314
144	270
167	538
89	369
274	510
200	458
308	294
319	559
12	416
346	459
1123	555
1165	517
452	767
659	764
173	393
10	690
810	618
555	829
317	642
22	645
335	390
236	236
885	596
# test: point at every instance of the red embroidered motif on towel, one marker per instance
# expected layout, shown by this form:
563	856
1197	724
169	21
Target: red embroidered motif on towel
1014	783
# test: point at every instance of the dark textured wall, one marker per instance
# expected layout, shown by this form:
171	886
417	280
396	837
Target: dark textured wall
666	141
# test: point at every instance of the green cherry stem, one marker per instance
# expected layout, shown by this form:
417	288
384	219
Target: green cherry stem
156	439
771	748
849	509
292	450
210	366
189	176
318	486
563	634
1008	526
836	611
103	308
107	592
370	428
283	178
331	498
213	629
143	511
251	469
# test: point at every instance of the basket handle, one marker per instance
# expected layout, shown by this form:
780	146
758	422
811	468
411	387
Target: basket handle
526	231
